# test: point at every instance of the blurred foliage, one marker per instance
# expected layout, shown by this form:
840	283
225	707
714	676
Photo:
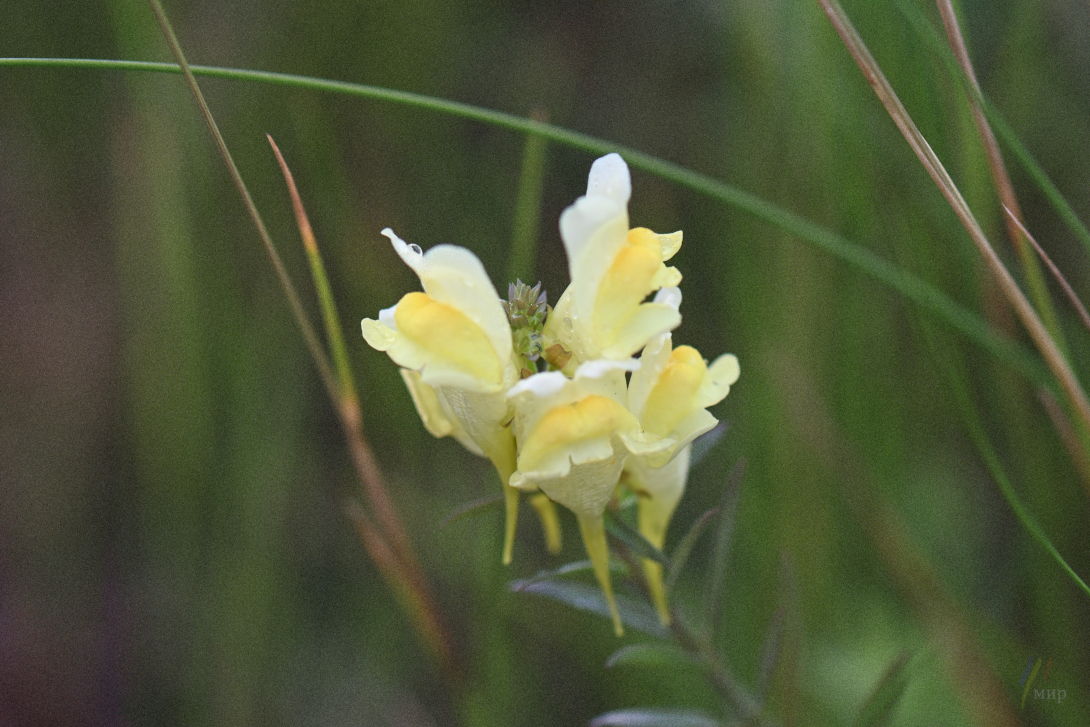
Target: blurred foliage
173	546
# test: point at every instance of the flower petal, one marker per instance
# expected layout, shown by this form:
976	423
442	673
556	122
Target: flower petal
613	269
435	411
568	433
658	492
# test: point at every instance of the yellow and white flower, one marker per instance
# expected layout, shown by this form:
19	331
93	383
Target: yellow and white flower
613	269
669	394
571	436
453	343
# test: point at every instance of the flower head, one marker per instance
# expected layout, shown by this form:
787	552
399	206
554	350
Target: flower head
555	397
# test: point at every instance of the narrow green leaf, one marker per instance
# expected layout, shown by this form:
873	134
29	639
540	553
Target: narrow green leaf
327	304
879	707
770	651
728	505
999	474
584	597
649	654
685	547
629	536
472	508
577	566
920	292
705	443
654	717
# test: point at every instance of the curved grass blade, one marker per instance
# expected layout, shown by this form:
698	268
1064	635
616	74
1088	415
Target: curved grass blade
1004	188
717	571
685	547
405	576
880	705
654	717
649	654
584	597
991	460
1002	128
1046	345
904	282
328	306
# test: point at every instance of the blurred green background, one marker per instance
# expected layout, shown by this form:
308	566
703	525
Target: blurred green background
173	543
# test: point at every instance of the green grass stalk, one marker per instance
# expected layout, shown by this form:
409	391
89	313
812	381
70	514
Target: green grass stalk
1031	268
904	282
399	565
528	207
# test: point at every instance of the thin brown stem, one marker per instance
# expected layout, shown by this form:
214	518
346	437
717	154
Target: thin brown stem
1052	268
325	371
1003	186
387	544
1040	335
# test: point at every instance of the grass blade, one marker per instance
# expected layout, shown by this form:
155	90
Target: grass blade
910	286
649	654
654	717
878	709
999	124
334	332
717	571
685	547
1002	181
528	206
585	597
1046	345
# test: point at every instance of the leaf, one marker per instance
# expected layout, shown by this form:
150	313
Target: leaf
654	717
584	597
474	507
879	706
577	566
685	548
706	442
728	505
625	533
770	651
648	654
772	647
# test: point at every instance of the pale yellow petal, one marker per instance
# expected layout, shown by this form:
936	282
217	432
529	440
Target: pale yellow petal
658	492
594	540
435	411
453	276
674	394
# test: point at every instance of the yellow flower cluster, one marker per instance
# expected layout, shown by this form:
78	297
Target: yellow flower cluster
595	414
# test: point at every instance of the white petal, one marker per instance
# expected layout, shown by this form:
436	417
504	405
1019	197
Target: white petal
598	369
670	295
542	385
609	177
386	317
455	276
